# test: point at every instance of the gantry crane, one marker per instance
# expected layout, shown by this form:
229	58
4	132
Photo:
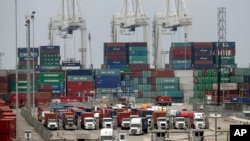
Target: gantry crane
65	22
173	15
131	15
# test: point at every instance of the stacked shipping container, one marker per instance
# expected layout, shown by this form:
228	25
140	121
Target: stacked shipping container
181	56
23	58
50	57
7	122
202	55
107	81
80	83
52	81
115	55
3	82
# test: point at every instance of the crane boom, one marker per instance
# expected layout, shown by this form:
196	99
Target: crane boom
65	22
173	15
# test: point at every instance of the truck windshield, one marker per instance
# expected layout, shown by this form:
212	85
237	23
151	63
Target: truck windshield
161	119
135	125
52	120
89	120
70	120
125	119
106	138
199	119
107	120
179	119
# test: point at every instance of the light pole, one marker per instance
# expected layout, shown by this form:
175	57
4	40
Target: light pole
33	63
17	104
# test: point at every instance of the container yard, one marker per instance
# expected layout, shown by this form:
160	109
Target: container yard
53	94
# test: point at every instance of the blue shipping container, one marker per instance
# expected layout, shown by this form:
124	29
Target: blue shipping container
79	72
203	66
24	50
107	78
116	66
107	84
115	49
203	50
224	44
203	58
49	47
116	62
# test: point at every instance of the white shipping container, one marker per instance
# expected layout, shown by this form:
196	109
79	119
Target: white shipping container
186	79
181	73
187	86
226	86
3	72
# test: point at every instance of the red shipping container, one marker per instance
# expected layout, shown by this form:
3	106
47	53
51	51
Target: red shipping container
203	45
3	79
137	44
7	125
181	57
8	136
7	114
78	90
43	95
162	73
42	102
203	62
80	85
67	99
115	44
115	57
45	88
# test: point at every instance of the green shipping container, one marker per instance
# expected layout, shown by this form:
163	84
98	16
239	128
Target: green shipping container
142	87
138	48
167	80
168	87
138	61
146	74
175	93
131	58
198	94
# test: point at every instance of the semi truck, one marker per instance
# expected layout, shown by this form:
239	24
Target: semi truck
50	121
107	122
125	123
199	121
163	101
138	126
162	123
69	121
155	118
88	120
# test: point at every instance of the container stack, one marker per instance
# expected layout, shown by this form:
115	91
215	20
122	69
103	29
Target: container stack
227	51
181	56
107	81
3	83
52	81
23	58
242	77
80	83
202	55
7	122
22	82
137	55
186	83
152	83
115	55
50	57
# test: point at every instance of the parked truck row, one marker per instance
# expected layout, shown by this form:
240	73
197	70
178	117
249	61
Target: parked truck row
136	120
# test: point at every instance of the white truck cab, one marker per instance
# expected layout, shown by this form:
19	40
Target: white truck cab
162	123
107	122
125	123
199	121
179	123
89	123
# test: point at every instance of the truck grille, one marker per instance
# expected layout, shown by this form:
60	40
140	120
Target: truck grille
133	131
126	124
108	125
200	125
181	125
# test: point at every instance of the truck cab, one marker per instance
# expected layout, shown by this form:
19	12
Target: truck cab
89	123
138	126
107	122
179	123
106	134
162	123
199	121
69	122
125	123
52	124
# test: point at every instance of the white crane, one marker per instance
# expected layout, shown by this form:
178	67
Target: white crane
131	15
65	23
173	15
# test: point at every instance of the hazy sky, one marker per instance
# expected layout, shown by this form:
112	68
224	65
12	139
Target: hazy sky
98	14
